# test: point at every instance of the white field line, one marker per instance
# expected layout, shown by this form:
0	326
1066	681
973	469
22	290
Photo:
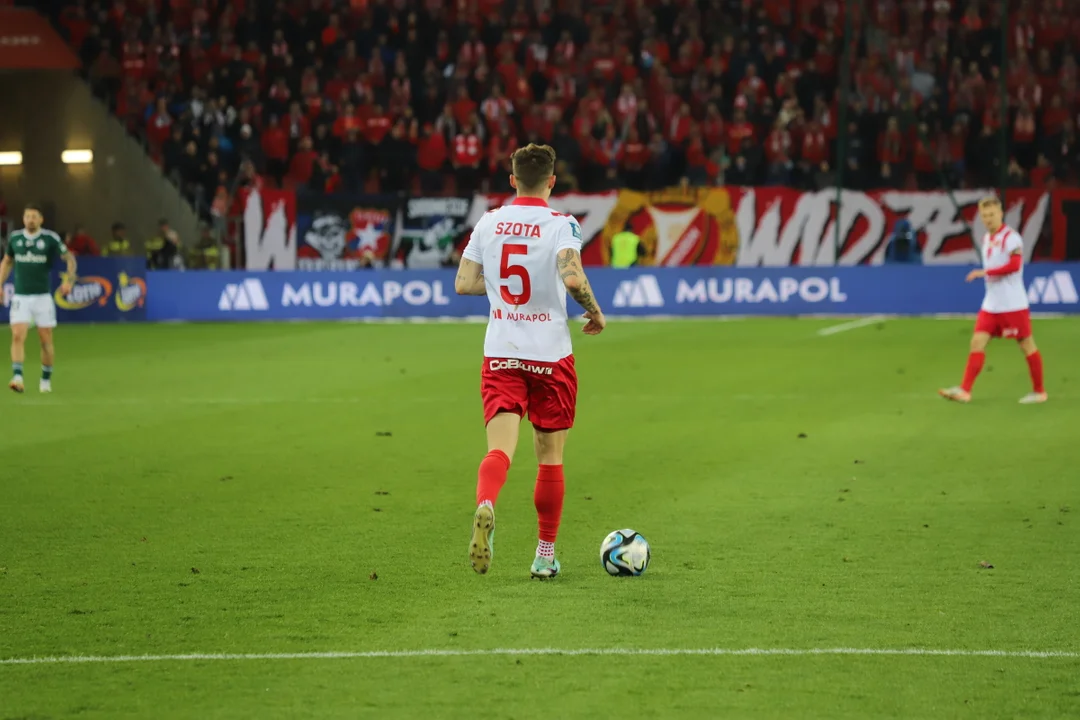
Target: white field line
853	325
404	654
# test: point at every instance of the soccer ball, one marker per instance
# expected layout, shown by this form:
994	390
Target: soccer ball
624	552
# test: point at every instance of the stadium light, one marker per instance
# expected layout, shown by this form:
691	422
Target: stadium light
77	157
11	158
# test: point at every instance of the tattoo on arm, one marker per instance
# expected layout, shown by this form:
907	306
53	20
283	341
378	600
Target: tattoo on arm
570	266
470	278
584	297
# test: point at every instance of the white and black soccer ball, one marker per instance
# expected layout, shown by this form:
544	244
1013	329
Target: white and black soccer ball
625	552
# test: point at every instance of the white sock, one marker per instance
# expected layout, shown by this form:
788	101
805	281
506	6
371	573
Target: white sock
488	504
546	549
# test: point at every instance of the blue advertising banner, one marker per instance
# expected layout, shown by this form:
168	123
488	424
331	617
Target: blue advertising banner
108	290
690	291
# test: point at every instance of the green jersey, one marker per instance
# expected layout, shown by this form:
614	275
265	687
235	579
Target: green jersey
34	255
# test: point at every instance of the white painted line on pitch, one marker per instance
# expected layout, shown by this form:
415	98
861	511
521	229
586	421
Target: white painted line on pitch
853	325
796	652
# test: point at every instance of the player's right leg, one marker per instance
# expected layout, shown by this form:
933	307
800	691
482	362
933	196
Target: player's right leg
985	327
20	328
552	408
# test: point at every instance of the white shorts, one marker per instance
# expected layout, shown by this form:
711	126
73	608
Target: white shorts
39	310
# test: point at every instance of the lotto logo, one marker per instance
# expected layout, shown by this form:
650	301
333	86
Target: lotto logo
643	291
1057	289
246	295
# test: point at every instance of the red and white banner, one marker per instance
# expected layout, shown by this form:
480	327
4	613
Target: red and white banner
28	42
269	229
785	227
777	227
748	227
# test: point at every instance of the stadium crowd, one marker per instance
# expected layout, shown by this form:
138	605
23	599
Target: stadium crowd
432	96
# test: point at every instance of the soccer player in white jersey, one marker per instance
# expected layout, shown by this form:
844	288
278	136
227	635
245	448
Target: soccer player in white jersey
525	257
1004	310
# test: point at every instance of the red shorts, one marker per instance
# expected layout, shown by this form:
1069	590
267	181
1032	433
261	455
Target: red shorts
1014	325
545	391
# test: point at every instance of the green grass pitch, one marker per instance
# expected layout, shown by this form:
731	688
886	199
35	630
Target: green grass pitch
300	488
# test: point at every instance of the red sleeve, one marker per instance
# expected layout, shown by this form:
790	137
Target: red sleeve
1016	260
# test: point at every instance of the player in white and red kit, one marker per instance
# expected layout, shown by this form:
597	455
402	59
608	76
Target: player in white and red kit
1004	310
525	257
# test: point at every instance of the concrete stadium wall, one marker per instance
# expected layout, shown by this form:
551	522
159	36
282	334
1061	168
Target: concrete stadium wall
46	112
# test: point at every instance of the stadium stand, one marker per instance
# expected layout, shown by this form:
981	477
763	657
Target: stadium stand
430	96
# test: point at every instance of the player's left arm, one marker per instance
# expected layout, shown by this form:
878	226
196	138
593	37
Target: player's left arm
68	281
470	278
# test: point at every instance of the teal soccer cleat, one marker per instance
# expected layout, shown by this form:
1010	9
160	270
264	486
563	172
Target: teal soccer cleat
544	569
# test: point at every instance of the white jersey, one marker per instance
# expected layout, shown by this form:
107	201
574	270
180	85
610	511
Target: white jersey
1004	293
517	244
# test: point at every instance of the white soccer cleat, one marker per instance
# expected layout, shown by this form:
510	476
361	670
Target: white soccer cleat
16	384
1033	398
45	386
956	394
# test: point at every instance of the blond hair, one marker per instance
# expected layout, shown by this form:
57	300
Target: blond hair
990	201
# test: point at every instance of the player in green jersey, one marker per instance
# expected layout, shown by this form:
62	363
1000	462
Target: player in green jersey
32	252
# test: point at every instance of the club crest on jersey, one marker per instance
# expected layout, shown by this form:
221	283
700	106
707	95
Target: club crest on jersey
517	229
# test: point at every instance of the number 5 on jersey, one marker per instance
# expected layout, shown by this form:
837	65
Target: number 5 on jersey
507	271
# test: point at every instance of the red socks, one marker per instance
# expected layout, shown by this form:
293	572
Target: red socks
492	476
1035	367
548	498
974	367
